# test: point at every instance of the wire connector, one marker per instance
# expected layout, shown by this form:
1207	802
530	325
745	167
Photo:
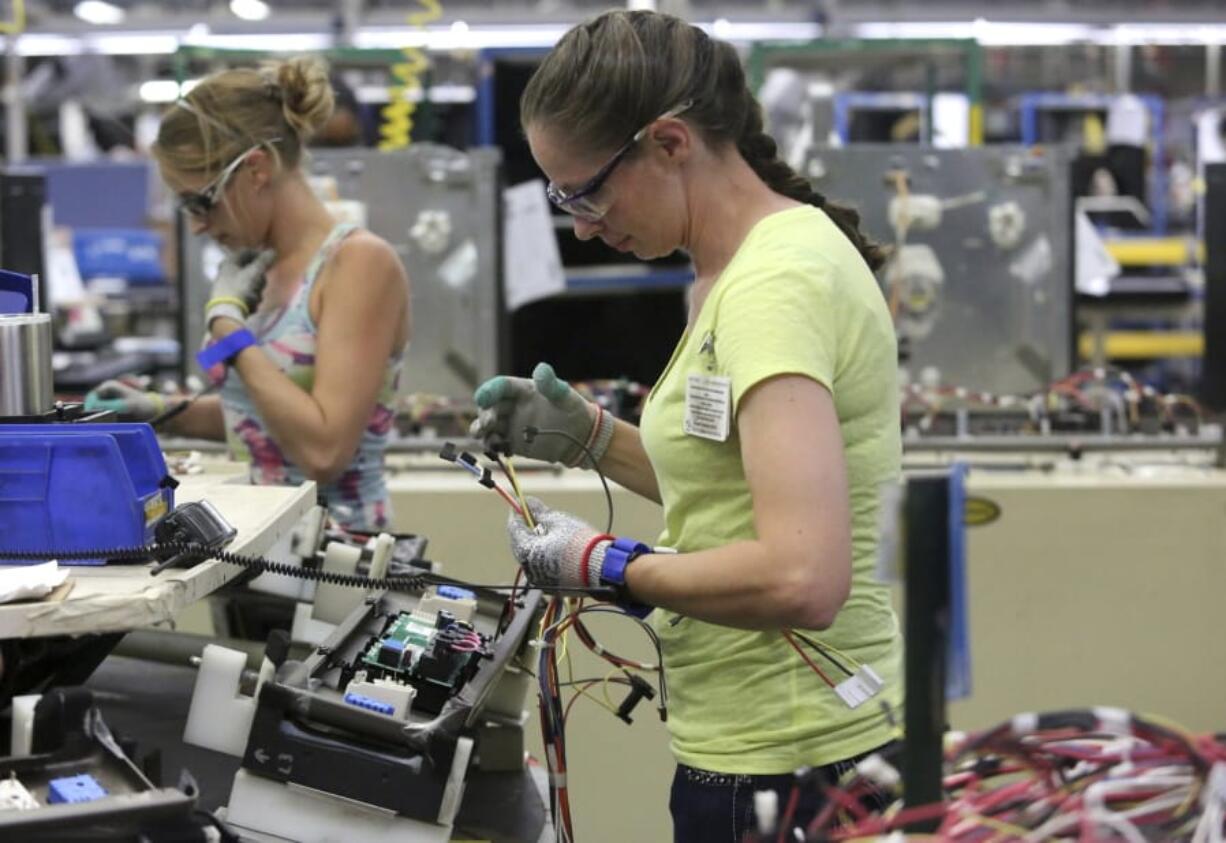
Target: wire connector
640	689
860	687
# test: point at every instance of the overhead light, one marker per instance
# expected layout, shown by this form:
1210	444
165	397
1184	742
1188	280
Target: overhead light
98	12
459	27
250	9
988	33
159	90
441	94
545	36
165	90
1033	33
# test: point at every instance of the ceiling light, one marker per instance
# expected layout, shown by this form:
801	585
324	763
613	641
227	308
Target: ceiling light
98	12
159	90
250	9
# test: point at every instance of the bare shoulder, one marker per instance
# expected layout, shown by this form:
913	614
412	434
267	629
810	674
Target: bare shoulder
370	259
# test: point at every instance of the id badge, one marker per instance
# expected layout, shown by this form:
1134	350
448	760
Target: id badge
708	407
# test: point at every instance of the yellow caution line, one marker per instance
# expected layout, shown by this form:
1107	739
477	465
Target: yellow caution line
1141	345
1152	251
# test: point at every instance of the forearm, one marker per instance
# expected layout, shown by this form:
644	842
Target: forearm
746	584
294	418
203	419
626	463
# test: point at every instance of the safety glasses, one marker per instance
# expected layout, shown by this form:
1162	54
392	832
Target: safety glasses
583	201
199	203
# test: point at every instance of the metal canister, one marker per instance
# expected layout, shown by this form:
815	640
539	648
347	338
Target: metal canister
26	386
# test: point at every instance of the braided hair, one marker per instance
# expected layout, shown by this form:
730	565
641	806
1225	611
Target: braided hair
610	76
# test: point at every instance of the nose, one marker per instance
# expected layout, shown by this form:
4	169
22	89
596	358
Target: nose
586	229
197	224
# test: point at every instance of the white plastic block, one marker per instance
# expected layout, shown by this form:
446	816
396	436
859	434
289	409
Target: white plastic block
431	603
308	629
334	602
14	796
220	716
23	724
395	694
312	816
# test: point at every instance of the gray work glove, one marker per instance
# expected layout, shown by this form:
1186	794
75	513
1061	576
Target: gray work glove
510	406
127	402
552	555
239	285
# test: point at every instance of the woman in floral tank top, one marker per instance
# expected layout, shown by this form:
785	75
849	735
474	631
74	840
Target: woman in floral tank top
310	394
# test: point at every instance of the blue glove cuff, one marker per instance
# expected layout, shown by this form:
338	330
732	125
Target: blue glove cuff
617	556
225	349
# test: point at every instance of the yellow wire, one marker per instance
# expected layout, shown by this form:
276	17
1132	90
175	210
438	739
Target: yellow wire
854	661
583	690
509	468
604	689
990	822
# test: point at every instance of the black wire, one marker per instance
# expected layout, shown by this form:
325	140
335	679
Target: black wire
646	627
823	650
532	432
166	415
416	582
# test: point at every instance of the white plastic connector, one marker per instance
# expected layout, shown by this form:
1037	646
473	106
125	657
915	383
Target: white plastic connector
399	697
1114	721
1024	724
14	796
766	810
1215	786
879	771
431	603
860	687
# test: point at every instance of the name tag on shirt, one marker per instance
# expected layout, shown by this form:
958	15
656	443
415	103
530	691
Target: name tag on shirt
708	407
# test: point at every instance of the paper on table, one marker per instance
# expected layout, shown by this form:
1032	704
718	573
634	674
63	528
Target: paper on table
532	267
24	581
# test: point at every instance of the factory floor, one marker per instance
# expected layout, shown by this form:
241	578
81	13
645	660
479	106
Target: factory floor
147	703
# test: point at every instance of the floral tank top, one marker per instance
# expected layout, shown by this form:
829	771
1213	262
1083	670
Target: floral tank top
288	335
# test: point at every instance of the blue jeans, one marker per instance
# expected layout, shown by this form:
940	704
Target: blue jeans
709	807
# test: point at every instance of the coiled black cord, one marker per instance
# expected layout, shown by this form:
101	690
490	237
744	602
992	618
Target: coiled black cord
141	553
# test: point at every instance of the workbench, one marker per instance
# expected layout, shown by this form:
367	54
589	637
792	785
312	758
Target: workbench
114	598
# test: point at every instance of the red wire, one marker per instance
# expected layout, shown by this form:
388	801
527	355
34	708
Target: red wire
788	813
788	635
519	511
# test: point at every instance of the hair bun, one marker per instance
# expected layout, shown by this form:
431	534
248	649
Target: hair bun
302	85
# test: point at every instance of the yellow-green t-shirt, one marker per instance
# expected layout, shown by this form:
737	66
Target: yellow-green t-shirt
797	298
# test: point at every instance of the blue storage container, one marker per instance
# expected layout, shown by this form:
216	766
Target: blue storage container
134	254
81	487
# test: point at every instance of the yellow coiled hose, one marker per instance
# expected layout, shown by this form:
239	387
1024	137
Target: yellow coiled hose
395	133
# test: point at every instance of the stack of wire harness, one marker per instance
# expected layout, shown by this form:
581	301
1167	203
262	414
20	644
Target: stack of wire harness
1086	775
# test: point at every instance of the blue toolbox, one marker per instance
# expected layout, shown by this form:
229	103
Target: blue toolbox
81	486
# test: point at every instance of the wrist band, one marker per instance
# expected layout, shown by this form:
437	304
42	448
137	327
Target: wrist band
234	300
587	554
226	348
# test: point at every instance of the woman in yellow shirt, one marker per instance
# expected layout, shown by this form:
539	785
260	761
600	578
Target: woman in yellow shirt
767	438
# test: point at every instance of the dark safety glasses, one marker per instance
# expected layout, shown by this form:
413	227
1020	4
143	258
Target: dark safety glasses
583	202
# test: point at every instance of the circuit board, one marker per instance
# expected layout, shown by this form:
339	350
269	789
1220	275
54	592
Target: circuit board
429	649
401	645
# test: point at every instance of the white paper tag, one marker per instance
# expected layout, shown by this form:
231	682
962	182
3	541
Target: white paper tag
708	407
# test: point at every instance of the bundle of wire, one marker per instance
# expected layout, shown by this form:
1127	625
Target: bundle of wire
1087	775
562	615
1091	390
